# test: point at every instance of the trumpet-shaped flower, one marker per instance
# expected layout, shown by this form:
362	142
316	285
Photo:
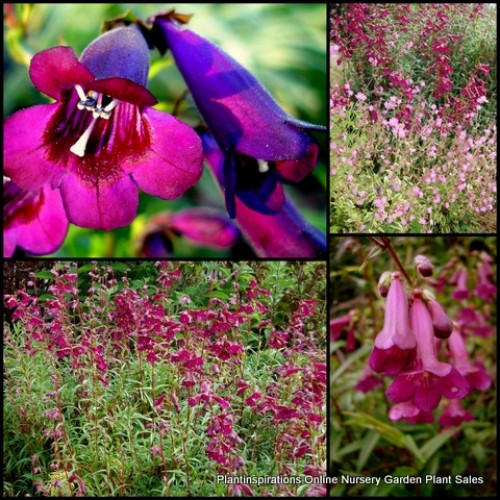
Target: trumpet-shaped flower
34	221
101	140
394	348
429	379
261	143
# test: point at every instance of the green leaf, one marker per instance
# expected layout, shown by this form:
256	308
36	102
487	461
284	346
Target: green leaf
429	448
45	275
370	441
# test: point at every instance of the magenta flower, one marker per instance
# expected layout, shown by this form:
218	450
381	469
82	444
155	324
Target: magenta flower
394	347
476	375
461	291
284	234
440	320
410	413
338	324
429	379
35	221
101	140
262	144
368	381
454	415
485	288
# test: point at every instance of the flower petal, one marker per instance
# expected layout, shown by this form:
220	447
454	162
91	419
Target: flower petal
9	242
175	160
234	104
55	70
100	205
124	90
402	389
46	232
24	153
121	52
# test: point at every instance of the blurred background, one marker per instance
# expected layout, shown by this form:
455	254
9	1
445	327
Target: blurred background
283	45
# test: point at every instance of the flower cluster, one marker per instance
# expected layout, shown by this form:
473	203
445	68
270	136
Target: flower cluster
417	334
198	357
413	140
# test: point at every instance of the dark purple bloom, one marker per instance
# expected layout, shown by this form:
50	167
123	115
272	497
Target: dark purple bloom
262	144
101	140
284	234
394	347
35	221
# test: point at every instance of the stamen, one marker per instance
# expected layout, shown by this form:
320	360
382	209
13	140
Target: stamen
96	113
106	111
79	147
263	166
80	92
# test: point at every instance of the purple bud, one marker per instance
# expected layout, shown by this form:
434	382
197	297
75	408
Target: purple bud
424	266
384	283
440	320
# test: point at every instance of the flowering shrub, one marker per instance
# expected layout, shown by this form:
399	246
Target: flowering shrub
412	343
154	379
413	118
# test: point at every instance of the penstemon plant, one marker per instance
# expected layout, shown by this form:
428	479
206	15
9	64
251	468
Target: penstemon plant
157	379
412	343
413	118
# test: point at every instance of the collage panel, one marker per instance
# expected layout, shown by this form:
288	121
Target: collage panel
155	378
412	366
413	111
154	132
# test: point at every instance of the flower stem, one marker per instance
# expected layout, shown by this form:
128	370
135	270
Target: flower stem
384	242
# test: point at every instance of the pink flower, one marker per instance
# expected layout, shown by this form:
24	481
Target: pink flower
429	379
454	415
461	291
360	96
368	381
440	320
410	413
394	347
476	375
338	324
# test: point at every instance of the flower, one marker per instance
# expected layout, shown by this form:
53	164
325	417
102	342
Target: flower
338	324
284	234
394	347
429	379
476	375
101	140
35	221
411	413
440	320
454	415
261	143
461	291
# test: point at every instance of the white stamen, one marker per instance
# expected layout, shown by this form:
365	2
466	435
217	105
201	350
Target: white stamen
81	93
97	111
106	111
79	146
263	166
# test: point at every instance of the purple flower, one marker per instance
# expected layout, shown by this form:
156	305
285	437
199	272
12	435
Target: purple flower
440	320
262	144
485	288
394	347
35	221
461	291
203	226
338	324
429	379
476	375
284	234
454	415
101	140
410	413
368	381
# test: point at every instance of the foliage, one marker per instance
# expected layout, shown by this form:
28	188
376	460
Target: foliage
151	379
413	118
365	439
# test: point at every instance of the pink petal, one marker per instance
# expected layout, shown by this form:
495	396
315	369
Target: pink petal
175	160
100	206
24	155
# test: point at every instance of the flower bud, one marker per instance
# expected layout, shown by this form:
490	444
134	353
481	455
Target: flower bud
384	283
424	266
442	324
